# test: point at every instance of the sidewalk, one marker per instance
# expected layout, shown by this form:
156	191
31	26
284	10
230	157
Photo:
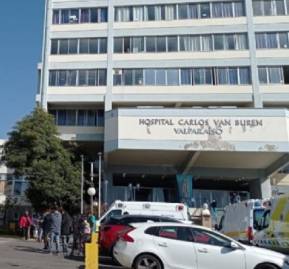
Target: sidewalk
29	255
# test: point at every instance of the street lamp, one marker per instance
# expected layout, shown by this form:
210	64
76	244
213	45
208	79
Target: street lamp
99	183
91	192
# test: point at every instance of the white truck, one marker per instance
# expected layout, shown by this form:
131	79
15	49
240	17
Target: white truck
173	210
240	220
273	228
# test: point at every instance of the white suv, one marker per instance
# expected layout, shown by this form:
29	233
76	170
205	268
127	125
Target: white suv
182	246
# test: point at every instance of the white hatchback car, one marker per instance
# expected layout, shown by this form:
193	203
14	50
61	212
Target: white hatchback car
183	246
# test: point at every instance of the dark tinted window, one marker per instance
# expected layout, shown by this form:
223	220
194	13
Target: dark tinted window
152	230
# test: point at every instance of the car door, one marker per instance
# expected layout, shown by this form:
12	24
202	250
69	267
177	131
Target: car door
173	248
213	251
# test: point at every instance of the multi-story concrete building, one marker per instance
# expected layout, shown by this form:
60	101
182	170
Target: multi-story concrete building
181	93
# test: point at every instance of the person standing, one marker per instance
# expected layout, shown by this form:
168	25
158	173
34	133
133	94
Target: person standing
46	223
54	230
25	224
66	230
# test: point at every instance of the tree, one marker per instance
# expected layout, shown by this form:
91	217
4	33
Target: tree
35	151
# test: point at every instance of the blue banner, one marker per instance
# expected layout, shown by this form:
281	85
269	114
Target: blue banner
185	188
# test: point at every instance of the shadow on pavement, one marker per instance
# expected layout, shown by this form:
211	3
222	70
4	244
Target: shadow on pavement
30	249
81	267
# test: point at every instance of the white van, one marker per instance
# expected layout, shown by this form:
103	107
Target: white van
273	229
240	220
173	210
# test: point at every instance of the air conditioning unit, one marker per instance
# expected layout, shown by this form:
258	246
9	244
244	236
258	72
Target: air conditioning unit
73	18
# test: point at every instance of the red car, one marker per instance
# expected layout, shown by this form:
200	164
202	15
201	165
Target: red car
117	225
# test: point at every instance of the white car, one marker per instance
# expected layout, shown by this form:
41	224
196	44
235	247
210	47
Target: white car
183	246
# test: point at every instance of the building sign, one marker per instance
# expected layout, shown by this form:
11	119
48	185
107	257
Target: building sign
215	130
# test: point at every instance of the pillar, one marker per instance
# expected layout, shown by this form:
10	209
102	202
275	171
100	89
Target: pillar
261	188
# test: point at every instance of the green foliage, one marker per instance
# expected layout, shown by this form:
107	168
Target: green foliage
35	151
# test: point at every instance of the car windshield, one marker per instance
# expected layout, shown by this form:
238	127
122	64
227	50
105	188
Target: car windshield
258	214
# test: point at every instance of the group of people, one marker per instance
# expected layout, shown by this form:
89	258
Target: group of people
59	231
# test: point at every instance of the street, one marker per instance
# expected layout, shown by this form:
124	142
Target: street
29	255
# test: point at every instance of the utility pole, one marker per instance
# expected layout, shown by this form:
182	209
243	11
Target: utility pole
82	184
99	183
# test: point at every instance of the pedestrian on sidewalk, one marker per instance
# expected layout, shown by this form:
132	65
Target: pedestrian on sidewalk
46	223
25	224
54	229
66	230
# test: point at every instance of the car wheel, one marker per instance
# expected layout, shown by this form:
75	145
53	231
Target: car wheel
147	261
267	266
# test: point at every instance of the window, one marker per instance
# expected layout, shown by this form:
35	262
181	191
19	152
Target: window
172	43
283	40
84	46
161	44
227	9
71	77
202	76
239	9
275	75
233	76
261	41
56	16
206	237
205	10
137	44
84	15
93	45
117	77
151	13
229	42
217	10
102	77
244	76
280	8
183	11
91	118
172	77
207	43
150	44
258	8
128	76
118	45
53	78
71	117
92	77
126	45
149	75
186	77
93	15
138	77
72	46
54	46
63	46
262	71
272	40
61	117
219	42
138	13
160	77
102	45
170	12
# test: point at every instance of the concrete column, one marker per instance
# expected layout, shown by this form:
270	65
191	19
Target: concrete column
261	188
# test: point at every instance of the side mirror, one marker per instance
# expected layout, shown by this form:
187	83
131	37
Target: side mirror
234	246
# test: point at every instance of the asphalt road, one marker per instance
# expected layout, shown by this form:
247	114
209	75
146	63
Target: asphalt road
17	253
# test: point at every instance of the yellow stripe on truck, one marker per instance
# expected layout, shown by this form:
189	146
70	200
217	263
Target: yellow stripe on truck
279	208
236	234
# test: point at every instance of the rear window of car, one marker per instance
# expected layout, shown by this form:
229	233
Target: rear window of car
152	231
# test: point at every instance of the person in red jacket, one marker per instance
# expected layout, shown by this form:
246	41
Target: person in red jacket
25	222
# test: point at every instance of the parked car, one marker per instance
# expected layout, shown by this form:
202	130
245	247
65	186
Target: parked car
240	220
172	210
114	226
183	246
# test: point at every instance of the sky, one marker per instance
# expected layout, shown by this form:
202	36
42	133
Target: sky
21	26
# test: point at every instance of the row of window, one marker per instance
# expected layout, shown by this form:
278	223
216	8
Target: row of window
170	76
270	7
80	117
79	46
79	15
272	40
180	43
82	77
273	74
179	11
183	76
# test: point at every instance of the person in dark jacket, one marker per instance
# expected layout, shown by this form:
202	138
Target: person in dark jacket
45	226
66	230
54	230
